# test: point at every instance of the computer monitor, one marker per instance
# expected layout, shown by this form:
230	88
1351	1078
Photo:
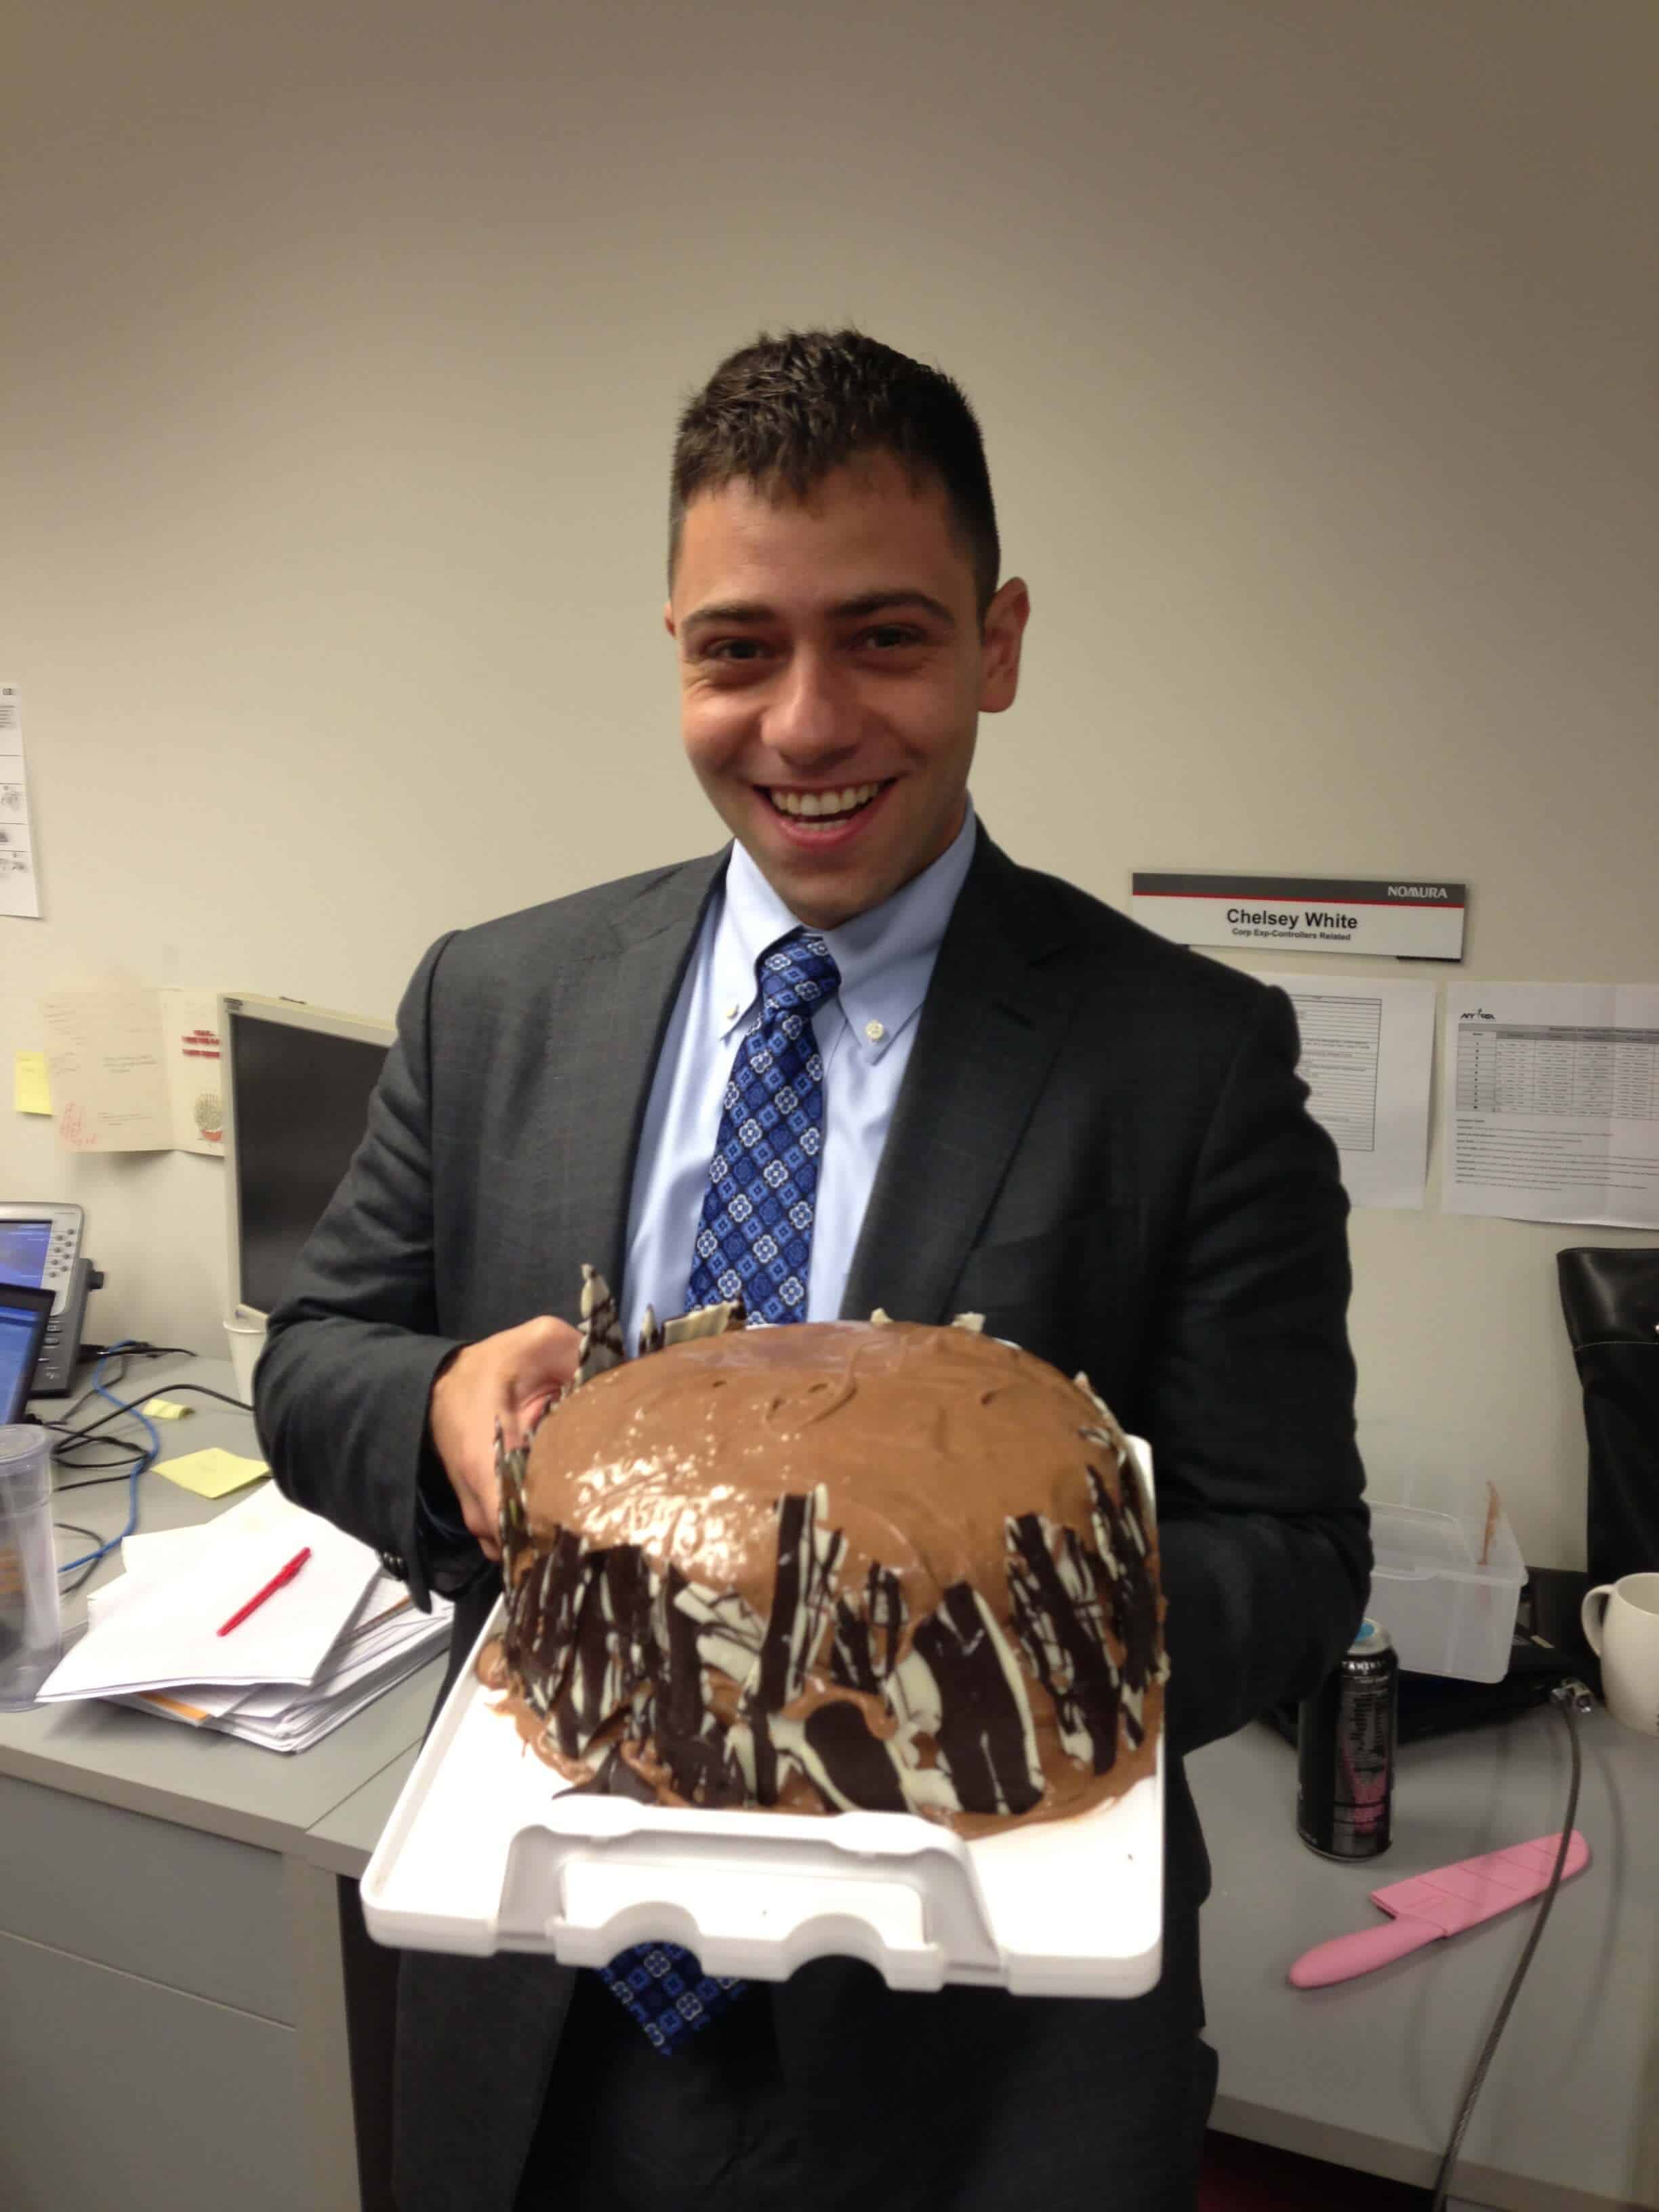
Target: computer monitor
297	1085
24	1313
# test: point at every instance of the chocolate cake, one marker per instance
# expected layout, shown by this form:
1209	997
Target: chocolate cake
836	1564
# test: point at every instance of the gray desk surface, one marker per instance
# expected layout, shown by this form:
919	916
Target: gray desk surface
196	1777
1369	2073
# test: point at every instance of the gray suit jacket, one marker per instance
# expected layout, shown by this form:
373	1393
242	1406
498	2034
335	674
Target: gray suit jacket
1101	1145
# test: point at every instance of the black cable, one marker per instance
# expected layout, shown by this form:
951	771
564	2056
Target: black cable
1569	1698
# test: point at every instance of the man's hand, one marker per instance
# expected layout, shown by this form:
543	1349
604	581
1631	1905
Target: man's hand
510	1378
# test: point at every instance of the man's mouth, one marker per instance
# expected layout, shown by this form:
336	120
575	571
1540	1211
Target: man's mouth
830	808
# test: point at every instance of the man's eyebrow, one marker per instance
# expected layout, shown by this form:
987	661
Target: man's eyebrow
881	601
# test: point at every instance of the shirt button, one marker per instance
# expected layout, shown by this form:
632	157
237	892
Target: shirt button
875	1031
733	1010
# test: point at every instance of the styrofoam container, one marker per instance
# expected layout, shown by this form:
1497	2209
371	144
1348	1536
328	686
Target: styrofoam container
488	1849
1447	1613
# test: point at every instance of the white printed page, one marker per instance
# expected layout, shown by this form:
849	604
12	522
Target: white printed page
1367	1059
19	888
109	1080
1551	1103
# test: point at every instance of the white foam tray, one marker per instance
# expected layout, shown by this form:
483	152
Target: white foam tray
488	1850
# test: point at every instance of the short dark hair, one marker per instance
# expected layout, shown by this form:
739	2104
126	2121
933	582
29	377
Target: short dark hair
785	411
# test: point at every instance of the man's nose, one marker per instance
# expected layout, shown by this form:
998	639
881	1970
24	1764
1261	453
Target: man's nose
812	719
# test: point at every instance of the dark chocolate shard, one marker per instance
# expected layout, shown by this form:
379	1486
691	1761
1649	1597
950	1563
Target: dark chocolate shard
677	1721
513	1519
852	1768
1124	1542
542	1605
1057	1613
868	1629
614	1647
615	1777
986	1739
803	1590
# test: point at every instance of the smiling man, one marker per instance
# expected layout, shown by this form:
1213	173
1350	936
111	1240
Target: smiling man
1016	1103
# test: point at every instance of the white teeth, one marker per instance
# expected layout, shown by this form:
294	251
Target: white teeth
809	806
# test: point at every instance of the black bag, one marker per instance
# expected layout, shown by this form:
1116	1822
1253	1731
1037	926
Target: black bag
1610	1301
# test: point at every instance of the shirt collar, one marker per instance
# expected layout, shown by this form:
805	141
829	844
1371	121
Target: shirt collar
885	957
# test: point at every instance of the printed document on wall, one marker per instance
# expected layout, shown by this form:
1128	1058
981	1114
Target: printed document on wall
1552	1102
1367	1058
133	1069
20	890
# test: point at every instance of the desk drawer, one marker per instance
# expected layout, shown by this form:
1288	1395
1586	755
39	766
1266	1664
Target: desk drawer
196	1912
121	2093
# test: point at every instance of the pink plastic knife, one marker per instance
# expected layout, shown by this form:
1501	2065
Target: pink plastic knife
1443	1903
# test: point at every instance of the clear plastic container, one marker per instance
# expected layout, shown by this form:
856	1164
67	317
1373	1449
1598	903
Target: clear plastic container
30	1635
1448	1611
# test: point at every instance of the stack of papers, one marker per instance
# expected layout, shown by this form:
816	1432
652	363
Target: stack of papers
317	1650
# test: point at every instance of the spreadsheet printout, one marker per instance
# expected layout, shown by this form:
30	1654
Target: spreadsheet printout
1551	1103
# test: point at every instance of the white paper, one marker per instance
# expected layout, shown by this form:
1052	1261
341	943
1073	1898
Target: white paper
19	888
384	1641
1551	1103
1367	1059
133	1069
165	1630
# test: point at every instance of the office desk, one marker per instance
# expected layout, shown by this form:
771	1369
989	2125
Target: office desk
188	1996
1369	2073
174	1976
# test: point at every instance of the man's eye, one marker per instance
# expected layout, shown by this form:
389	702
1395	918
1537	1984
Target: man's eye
735	649
888	636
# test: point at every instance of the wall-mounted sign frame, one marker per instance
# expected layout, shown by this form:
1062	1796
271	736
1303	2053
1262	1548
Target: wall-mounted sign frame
1412	919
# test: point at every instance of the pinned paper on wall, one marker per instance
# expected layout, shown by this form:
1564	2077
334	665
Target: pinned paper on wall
133	1069
1551	1103
31	1089
20	890
1367	1058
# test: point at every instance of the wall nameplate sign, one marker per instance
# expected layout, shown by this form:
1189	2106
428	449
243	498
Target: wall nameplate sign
1419	919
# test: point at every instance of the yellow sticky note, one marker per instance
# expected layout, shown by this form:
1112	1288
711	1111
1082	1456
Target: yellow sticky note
212	1474
167	1409
31	1093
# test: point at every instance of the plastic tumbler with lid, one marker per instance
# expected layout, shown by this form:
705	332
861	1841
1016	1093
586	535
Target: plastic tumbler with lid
31	1637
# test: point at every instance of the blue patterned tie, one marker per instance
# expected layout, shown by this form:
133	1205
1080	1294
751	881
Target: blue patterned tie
754	1241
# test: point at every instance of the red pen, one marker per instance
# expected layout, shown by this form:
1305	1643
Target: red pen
274	1584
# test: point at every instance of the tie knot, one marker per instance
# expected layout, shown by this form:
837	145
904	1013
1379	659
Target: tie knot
797	974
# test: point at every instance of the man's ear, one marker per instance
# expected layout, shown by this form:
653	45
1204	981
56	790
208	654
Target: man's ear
668	617
1000	636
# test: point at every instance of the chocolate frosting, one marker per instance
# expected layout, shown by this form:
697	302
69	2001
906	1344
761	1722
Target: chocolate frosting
837	1564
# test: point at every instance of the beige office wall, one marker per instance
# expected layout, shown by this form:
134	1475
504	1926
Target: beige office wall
1314	343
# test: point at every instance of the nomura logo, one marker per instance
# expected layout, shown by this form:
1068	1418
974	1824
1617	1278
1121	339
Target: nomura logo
1419	891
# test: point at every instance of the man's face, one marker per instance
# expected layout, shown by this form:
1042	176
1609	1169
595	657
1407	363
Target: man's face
832	675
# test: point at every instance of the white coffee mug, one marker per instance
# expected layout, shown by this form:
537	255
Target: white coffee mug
1621	1621
246	1339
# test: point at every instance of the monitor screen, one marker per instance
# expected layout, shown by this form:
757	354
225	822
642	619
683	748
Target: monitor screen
24	1248
298	1107
23	1316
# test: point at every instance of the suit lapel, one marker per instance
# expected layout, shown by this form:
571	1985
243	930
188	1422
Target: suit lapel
616	1024
991	1028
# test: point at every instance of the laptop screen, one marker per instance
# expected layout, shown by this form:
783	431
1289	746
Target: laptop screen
23	1316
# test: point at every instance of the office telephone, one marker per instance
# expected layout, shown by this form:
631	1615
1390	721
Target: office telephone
40	1248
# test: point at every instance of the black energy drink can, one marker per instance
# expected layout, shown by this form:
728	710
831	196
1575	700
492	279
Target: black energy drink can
1344	1747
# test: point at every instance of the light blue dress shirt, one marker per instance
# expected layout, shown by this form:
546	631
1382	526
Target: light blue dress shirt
865	1036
